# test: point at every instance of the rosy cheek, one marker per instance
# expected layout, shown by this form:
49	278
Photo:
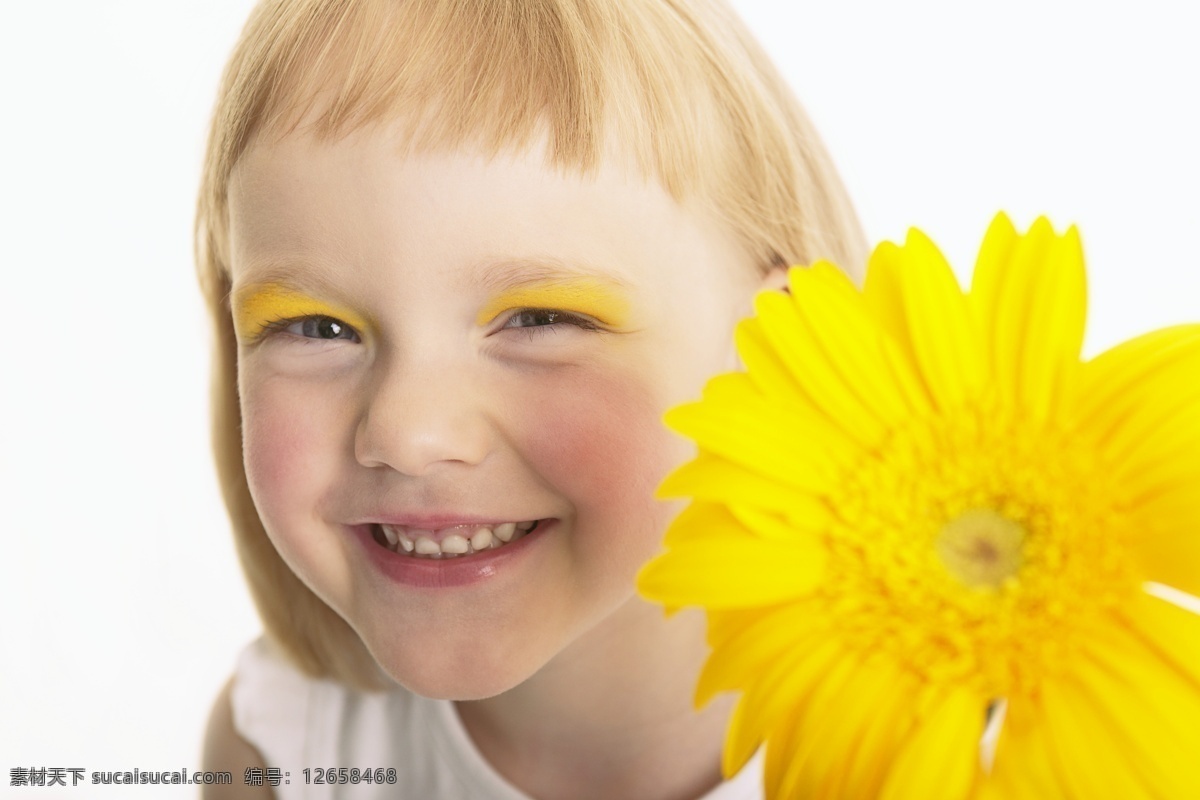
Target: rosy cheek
269	448
598	437
279	445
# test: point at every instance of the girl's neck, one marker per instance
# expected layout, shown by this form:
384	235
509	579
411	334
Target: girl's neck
611	716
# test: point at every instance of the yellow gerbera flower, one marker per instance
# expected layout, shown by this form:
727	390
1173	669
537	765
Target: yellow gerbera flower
920	522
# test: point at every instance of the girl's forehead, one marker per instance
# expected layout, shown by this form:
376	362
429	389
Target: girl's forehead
369	175
484	218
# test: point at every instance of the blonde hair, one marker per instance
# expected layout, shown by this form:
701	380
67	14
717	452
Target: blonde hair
696	103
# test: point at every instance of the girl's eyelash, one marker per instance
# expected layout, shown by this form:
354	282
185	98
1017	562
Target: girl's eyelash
555	319
281	325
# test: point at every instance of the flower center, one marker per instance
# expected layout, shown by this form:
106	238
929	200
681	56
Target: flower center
976	548
981	548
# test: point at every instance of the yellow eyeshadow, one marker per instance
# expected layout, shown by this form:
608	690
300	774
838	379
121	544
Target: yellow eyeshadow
598	299
256	306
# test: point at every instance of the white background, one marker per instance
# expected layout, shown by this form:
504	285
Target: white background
121	604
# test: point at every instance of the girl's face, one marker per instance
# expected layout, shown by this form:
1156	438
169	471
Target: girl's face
432	346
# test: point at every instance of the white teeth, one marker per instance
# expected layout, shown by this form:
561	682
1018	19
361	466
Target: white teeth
463	541
455	544
482	539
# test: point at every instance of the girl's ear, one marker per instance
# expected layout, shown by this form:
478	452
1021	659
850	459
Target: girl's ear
776	278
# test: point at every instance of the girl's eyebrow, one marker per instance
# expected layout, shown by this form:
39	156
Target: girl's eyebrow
514	273
284	276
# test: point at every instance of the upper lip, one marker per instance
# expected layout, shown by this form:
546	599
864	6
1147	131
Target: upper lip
437	520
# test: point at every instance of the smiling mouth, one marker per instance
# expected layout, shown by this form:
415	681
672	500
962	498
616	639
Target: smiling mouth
454	542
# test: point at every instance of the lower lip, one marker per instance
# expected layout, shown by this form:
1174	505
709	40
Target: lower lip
440	573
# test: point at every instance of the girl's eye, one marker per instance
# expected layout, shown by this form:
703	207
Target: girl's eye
540	321
314	327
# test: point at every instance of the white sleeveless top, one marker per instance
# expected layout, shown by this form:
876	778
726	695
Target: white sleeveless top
299	723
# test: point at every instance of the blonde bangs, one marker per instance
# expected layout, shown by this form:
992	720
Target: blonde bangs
695	103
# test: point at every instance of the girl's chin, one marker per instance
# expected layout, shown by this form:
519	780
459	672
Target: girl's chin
471	679
459	687
466	687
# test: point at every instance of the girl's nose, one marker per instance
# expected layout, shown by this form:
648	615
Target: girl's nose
420	416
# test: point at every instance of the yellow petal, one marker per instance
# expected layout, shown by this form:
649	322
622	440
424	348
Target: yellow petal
853	729
884	295
942	758
715	523
1089	759
1114	382
856	345
1170	632
768	702
705	521
724	624
720	572
789	770
752	431
714	479
945	336
742	657
779	762
1140	405
1126	725
1142	398
1022	765
1035	316
1055	319
1165	536
822	380
763	364
742	739
1163	461
771	525
992	270
876	743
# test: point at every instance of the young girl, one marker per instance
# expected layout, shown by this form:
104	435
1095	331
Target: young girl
460	256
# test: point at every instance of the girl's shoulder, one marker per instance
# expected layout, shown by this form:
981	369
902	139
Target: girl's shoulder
226	751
